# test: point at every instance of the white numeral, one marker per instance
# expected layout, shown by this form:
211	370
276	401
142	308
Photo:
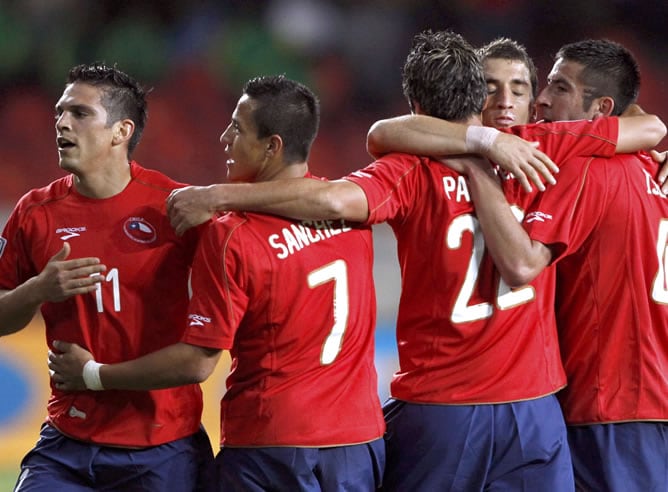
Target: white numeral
112	277
660	286
507	298
336	272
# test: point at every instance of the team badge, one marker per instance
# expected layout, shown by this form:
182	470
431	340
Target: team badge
139	230
3	243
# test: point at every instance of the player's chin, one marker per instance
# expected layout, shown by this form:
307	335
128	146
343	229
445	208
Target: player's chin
67	165
503	123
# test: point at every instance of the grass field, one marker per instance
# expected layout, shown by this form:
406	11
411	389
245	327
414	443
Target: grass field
7	480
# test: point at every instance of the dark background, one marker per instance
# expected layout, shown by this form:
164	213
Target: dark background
197	54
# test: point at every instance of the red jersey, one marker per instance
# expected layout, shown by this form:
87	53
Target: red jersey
607	222
463	336
138	308
562	140
294	302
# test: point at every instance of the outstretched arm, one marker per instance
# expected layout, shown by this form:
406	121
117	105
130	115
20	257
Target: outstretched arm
639	130
73	368
426	135
59	280
299	198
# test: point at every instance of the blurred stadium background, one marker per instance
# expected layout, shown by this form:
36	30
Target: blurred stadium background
196	55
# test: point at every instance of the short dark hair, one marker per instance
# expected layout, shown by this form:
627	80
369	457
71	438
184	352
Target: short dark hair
122	96
609	70
443	74
287	108
508	49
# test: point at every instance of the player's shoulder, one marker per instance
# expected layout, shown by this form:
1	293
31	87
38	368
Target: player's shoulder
403	157
53	192
153	178
633	160
226	224
391	163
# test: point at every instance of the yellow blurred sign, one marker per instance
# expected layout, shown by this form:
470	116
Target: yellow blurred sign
24	378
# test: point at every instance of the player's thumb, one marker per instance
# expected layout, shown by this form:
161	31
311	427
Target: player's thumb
61	346
63	253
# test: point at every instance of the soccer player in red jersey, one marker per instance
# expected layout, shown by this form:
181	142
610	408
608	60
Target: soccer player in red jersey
575	93
294	302
477	361
94	251
470	350
604	226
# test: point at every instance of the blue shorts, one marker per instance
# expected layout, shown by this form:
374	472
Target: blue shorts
351	468
60	463
491	447
624	457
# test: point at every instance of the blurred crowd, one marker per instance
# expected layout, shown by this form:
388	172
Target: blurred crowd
197	54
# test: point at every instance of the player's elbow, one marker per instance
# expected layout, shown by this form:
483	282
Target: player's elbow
198	372
518	275
520	269
199	365
657	132
377	135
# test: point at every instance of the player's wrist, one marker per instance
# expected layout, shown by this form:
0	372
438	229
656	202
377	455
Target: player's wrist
479	139
91	375
215	198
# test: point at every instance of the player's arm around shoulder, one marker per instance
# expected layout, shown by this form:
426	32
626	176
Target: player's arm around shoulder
416	134
639	130
297	198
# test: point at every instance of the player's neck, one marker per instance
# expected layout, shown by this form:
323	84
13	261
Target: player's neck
103	183
287	171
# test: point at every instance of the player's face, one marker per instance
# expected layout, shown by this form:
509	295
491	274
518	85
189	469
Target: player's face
509	96
562	98
247	154
84	140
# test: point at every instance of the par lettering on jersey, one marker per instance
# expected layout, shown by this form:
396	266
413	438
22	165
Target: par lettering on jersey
3	243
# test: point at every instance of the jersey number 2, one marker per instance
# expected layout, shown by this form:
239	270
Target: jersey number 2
506	297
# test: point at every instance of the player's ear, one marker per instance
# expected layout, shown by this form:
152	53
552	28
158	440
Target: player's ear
123	131
603	106
274	145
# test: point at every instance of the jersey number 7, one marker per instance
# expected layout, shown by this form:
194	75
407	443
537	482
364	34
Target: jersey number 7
336	272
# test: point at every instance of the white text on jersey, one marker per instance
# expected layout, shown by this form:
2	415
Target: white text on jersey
70	232
653	187
198	319
456	188
298	236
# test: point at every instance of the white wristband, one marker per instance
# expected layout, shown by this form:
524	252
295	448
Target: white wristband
479	139
91	375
